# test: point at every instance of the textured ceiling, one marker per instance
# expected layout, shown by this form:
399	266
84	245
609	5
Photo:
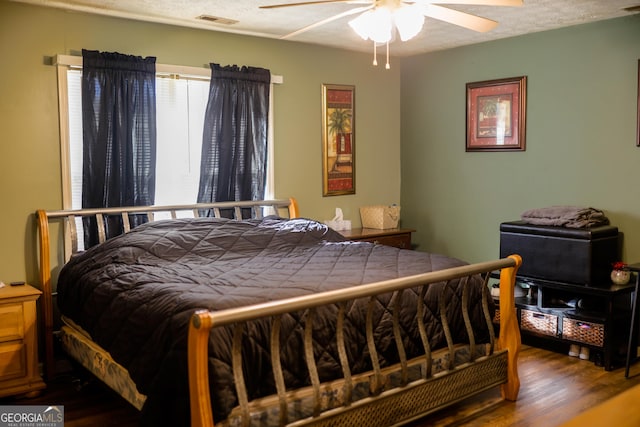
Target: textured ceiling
534	16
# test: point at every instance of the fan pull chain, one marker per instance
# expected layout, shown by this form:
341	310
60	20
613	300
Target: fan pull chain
375	52
387	66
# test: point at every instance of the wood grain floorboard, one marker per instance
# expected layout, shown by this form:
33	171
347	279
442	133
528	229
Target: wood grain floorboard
554	388
86	403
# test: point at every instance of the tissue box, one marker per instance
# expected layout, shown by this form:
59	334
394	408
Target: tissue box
338	222
380	216
338	225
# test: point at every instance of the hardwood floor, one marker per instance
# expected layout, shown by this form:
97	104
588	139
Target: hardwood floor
554	388
85	404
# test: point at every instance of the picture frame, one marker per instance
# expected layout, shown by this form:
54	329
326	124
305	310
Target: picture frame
496	115
638	109
338	140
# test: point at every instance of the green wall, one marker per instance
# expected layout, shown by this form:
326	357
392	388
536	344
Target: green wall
580	140
581	125
30	147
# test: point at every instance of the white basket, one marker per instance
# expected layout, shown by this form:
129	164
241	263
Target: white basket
380	216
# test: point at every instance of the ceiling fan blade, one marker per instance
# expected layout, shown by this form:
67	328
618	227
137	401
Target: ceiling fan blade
478	2
326	21
462	19
274	6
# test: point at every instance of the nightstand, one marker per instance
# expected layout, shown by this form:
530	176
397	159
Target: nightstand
19	373
397	237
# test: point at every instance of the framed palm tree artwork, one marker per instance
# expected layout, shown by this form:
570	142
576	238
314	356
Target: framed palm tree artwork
338	140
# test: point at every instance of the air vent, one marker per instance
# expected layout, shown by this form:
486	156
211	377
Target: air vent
632	8
217	19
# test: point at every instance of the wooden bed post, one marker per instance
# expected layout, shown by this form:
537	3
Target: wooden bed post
509	330
47	292
198	345
294	212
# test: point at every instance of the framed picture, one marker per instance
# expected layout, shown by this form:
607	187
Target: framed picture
638	109
496	115
338	140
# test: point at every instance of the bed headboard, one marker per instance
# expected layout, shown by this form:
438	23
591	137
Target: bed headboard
71	226
258	209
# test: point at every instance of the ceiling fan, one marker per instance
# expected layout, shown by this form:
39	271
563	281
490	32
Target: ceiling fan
379	19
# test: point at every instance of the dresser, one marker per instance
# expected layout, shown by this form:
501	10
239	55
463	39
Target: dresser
19	373
397	237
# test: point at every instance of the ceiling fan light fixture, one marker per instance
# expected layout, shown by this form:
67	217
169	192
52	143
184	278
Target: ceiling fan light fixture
360	24
379	23
409	20
375	24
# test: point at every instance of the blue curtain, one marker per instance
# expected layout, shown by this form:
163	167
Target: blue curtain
119	134
234	145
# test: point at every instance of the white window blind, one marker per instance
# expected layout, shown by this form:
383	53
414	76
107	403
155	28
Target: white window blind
74	96
180	105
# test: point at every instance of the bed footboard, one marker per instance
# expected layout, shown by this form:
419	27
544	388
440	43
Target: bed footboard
411	397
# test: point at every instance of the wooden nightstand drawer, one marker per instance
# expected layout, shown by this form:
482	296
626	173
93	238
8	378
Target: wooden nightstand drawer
13	360
11	323
19	373
402	241
397	237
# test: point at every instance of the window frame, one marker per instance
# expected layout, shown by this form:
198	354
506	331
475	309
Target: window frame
64	63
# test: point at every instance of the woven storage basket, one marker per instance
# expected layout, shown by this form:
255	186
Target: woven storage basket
496	316
380	216
542	323
584	332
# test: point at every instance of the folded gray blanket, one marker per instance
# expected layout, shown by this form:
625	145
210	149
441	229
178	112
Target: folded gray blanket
565	216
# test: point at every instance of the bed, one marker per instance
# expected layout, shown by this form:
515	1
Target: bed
242	313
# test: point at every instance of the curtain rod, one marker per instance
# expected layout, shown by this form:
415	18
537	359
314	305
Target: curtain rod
76	61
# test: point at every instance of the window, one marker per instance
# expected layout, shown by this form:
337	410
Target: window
180	106
181	100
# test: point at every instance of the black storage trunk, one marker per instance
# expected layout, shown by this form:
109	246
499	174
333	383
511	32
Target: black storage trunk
568	255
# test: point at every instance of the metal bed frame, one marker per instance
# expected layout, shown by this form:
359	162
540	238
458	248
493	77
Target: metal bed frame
407	399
